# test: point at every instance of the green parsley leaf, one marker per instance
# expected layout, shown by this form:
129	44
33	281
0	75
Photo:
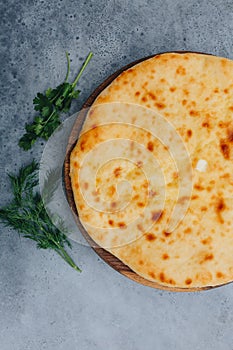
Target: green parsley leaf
50	105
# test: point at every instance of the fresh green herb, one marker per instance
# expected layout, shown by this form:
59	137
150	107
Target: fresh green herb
27	214
50	105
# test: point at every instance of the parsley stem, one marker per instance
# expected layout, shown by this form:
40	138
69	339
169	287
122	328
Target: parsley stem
82	69
68	67
57	94
46	122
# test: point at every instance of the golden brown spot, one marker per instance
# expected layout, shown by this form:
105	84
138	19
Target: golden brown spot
195	197
207	99
150	237
225	176
137	93
230	135
140	204
76	186
156	215
165	256
151	274
150	146
186	92
113	204
225	91
219	274
188	281
153	97
141	262
136	197
144	99
171	281
181	70
194	113
206	241
205	125
223	62
145	184
97	199
172	89
125	82
76	164
160	105
85	185
111	222
220	205
231	108
222	124
162	277
216	90
184	102
209	257
167	234
203	208
122	225
137	172
117	171
189	133
111	190
188	230
225	149
82	145
162	80
198	187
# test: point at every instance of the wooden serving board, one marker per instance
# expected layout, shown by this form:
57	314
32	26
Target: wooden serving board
110	259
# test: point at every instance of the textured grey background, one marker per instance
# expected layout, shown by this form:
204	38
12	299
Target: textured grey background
44	304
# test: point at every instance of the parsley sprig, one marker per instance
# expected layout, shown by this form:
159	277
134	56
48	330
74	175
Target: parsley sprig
50	105
27	214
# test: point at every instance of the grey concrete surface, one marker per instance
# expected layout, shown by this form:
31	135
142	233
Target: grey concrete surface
44	304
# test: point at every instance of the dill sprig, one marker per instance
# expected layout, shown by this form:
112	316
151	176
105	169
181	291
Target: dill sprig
27	214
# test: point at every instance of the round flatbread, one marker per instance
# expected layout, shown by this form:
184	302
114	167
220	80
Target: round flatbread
152	170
